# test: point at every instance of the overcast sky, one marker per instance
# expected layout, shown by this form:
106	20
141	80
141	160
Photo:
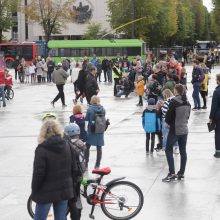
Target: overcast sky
208	4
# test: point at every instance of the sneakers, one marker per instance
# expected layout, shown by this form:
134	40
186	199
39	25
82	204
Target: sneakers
180	176
195	109
169	178
204	107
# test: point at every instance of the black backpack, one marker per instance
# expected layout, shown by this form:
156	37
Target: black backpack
77	149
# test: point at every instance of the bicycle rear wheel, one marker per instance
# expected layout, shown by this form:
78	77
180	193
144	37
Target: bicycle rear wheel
31	209
11	94
122	200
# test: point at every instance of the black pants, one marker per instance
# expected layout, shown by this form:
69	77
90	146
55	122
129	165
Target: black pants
75	211
217	136
60	95
16	73
105	75
39	78
171	140
204	95
99	155
98	76
150	136
115	86
140	100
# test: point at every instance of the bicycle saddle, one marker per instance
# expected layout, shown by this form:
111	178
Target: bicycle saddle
102	172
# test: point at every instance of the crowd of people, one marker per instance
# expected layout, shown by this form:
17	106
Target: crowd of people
163	84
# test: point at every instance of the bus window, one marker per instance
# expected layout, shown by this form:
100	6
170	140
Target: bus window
27	52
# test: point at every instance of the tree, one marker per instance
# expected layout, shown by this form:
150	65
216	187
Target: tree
93	31
215	24
7	8
50	14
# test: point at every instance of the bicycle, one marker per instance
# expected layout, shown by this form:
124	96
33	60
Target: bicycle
11	94
119	199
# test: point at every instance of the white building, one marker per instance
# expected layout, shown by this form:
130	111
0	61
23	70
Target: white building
88	11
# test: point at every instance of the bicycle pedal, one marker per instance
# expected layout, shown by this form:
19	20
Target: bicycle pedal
91	216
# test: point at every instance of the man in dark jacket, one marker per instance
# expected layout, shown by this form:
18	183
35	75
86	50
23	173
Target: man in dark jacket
215	116
59	77
50	66
91	86
106	66
177	118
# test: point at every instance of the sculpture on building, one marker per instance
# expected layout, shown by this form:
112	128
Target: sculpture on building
83	12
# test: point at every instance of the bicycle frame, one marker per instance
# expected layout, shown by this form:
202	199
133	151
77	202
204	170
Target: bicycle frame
94	199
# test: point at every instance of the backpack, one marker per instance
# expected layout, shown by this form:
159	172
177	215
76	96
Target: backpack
78	157
151	123
99	124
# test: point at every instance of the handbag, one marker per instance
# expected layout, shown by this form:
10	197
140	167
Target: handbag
211	126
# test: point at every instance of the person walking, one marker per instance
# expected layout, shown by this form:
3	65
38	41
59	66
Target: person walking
39	69
59	77
2	86
214	116
95	138
197	78
177	118
91	85
52	181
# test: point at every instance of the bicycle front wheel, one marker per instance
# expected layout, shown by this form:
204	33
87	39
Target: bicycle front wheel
122	200
11	94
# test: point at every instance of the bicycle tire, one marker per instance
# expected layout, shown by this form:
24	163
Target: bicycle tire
130	184
11	94
30	211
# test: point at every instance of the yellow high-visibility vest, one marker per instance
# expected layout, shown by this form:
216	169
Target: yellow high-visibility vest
114	75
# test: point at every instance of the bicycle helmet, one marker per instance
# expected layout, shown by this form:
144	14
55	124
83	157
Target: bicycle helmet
72	130
48	115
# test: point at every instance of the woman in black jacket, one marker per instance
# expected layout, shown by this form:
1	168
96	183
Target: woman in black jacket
52	181
215	116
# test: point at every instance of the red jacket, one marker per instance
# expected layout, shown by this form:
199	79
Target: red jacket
8	80
2	77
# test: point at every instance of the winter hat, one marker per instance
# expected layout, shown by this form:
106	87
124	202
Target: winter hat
151	101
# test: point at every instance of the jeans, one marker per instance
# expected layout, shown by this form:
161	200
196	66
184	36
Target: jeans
60	95
109	75
59	208
165	131
171	140
99	155
2	94
195	95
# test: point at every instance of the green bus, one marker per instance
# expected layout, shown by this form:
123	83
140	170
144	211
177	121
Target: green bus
58	49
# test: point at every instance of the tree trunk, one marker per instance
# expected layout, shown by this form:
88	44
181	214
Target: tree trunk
1	35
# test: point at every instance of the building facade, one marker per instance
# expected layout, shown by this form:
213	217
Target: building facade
87	11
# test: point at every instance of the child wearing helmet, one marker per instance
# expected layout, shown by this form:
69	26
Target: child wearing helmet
72	134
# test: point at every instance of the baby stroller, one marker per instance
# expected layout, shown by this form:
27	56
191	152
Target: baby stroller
124	88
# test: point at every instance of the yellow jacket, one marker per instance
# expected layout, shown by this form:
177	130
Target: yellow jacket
140	88
204	84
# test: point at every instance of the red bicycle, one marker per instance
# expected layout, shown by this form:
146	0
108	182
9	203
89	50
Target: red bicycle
119	199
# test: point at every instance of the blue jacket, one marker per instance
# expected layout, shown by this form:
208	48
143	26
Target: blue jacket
94	139
215	109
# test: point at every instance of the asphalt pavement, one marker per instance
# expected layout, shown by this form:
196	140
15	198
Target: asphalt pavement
195	198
